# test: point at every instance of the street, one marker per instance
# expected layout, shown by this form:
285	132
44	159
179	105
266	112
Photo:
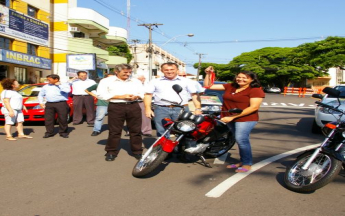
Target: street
58	176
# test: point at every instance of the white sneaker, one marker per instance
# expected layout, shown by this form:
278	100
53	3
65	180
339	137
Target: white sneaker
198	149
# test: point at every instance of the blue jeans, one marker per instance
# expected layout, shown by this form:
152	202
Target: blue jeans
242	131
165	112
101	111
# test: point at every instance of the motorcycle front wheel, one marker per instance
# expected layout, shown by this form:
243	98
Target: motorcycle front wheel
147	164
322	170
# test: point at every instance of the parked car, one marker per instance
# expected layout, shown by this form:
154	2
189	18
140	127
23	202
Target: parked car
324	115
211	100
272	90
35	111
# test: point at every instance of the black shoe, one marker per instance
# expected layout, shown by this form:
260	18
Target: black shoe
110	157
48	135
90	124
95	133
137	156
64	135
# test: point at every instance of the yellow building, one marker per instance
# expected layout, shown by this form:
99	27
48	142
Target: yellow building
24	40
37	37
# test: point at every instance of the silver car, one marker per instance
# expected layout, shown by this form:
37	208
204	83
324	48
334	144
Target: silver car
324	115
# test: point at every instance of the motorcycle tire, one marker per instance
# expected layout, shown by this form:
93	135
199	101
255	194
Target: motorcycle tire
146	165
217	151
318	175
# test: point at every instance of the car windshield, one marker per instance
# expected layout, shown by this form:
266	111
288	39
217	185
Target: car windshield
30	91
214	92
341	89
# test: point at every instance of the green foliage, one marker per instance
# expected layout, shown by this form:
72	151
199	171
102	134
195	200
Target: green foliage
324	54
120	50
281	66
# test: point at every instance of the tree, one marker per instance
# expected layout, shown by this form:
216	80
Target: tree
120	50
274	66
222	70
324	54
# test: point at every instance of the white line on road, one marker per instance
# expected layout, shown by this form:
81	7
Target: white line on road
228	183
221	159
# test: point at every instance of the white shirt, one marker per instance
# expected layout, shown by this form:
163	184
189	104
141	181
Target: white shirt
79	86
161	88
16	100
111	86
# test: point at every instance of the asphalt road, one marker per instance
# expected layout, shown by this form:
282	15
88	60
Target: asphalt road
58	176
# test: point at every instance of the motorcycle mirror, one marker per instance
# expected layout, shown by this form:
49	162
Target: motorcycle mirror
177	88
317	96
235	110
331	91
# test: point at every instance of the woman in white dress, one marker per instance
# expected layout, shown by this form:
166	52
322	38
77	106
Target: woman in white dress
12	108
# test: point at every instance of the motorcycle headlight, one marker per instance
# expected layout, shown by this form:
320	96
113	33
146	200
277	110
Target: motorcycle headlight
186	126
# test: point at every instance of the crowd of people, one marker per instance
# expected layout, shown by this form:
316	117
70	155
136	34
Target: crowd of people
126	98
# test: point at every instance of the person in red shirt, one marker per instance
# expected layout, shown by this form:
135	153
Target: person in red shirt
243	93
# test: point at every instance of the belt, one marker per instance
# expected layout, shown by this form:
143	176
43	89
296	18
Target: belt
132	102
171	106
56	101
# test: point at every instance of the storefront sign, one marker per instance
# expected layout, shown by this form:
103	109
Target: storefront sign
21	26
24	59
80	62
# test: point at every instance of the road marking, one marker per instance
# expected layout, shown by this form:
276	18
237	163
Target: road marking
221	159
231	181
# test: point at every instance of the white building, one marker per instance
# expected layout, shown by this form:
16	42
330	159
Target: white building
159	56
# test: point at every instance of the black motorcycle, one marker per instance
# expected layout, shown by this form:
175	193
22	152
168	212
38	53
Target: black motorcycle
317	167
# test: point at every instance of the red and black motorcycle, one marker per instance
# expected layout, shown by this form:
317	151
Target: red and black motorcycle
211	138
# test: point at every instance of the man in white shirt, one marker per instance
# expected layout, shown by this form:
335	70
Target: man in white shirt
161	88
124	94
82	99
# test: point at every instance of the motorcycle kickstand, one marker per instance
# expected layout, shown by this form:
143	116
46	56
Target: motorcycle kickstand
204	161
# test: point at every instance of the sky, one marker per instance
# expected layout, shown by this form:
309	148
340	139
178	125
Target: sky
223	29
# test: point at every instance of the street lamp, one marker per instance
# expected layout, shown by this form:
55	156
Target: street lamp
174	38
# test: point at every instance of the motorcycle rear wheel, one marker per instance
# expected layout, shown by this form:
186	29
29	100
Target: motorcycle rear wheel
146	165
322	170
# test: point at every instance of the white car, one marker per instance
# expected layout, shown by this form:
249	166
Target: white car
325	115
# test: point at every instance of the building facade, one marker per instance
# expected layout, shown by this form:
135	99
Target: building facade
79	31
37	37
24	40
159	56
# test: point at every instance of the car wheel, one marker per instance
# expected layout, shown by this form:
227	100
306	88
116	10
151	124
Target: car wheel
315	129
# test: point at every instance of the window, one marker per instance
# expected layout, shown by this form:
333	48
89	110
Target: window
32	11
79	35
5	43
20	75
32	49
5	2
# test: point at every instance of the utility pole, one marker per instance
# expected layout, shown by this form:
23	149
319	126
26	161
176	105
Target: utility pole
199	66
135	55
149	50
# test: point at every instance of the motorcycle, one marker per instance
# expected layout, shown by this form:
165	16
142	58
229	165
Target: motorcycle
317	167
212	138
